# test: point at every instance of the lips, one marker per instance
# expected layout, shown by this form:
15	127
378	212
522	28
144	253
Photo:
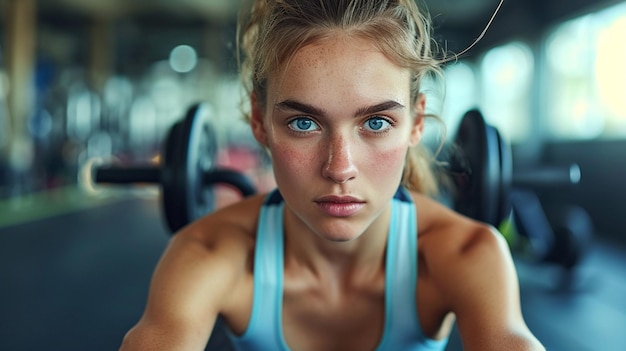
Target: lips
339	206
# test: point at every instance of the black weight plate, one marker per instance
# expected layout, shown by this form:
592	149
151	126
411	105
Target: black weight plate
171	184
477	141
191	151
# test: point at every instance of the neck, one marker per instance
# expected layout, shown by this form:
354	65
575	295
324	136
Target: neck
345	260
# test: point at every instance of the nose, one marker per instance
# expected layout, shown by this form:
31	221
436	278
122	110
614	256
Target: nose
339	166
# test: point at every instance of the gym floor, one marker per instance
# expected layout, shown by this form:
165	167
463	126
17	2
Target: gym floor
77	280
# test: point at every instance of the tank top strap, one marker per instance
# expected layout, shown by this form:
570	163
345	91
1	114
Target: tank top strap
401	273
264	331
402	327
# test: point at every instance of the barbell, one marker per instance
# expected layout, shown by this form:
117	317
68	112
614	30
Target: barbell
187	172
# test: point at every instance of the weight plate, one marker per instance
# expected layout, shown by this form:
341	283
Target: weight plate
190	151
171	191
479	198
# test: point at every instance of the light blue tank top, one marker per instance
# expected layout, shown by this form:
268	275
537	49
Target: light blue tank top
402	330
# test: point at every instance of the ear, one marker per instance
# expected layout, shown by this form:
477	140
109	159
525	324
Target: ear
418	120
257	115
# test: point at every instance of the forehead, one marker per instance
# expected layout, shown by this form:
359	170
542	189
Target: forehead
341	66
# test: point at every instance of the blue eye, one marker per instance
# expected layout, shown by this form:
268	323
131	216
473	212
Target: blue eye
377	124
303	125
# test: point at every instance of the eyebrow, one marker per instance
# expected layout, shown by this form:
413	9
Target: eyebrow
383	106
299	106
315	111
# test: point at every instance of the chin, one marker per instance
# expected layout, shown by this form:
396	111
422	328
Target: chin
339	238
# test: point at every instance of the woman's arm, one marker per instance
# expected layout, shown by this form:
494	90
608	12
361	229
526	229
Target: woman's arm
477	278
190	286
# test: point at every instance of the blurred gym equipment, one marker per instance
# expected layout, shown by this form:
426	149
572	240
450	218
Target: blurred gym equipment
187	172
491	191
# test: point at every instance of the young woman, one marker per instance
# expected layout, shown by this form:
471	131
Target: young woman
349	252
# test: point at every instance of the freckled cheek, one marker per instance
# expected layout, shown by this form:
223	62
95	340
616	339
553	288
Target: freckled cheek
292	162
388	163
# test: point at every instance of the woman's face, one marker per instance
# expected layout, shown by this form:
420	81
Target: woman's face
338	123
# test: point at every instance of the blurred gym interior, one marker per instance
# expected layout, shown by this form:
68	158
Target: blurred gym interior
85	83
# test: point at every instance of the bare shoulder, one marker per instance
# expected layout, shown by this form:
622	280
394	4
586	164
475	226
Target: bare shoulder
232	225
471	267
462	234
195	279
217	248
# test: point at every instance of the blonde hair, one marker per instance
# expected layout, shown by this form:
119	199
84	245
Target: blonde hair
276	29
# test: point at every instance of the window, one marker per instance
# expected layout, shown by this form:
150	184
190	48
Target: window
506	74
461	93
585	77
499	85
